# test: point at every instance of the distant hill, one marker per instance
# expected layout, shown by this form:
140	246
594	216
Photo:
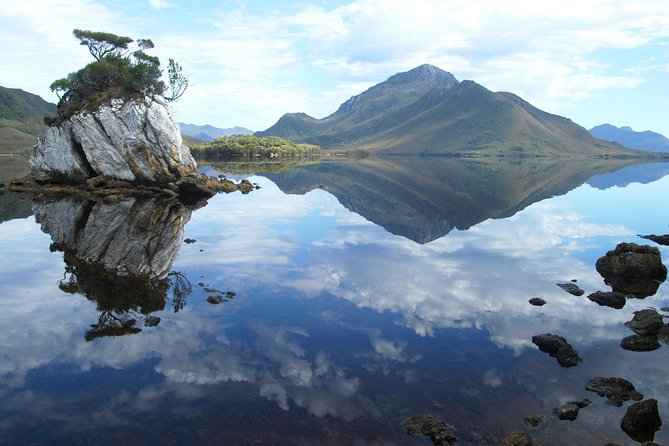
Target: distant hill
21	119
209	132
428	111
650	141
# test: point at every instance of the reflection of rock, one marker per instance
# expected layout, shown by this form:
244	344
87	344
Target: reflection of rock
537	302
119	255
571	288
431	425
663	334
642	420
645	322
617	390
517	439
659	239
637	343
609	299
557	347
569	411
633	269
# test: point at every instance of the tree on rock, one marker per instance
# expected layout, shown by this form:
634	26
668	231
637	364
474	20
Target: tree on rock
118	72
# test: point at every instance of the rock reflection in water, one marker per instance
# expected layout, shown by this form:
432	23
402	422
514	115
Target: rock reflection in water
119	254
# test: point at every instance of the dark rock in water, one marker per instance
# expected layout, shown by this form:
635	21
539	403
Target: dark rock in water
633	269
663	334
215	300
537	301
636	343
571	288
433	426
190	240
646	322
609	299
557	347
659	239
533	421
642	420
151	321
617	390
569	411
517	439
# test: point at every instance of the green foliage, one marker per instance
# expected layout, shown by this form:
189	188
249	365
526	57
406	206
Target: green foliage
252	146
116	72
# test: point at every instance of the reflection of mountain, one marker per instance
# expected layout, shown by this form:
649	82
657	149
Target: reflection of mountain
14	206
118	254
638	173
425	198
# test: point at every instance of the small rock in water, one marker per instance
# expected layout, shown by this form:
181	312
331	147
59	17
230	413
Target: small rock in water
533	421
557	347
642	420
646	322
569	410
190	240
617	390
609	299
215	300
517	439
537	301
433	426
637	343
571	288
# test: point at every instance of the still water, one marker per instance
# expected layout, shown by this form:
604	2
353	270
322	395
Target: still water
351	296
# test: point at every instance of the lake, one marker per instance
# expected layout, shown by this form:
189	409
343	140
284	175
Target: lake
328	306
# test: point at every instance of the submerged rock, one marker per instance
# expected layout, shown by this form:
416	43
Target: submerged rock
645	322
633	269
533	421
557	347
617	390
637	343
569	411
517	439
433	426
659	239
609	299
571	288
537	301
642	420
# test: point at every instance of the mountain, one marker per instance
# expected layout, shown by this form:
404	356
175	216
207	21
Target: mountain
424	198
21	119
209	132
649	141
428	111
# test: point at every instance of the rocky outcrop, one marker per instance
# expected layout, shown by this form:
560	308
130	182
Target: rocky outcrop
609	299
633	269
433	426
616	390
642	420
136	141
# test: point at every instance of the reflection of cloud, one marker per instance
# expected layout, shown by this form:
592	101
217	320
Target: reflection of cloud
492	378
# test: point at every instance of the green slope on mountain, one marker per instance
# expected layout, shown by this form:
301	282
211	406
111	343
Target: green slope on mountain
21	119
427	111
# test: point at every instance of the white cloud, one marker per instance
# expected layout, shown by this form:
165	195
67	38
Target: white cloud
160	4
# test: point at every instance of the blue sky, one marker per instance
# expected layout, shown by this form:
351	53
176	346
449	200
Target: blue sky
251	61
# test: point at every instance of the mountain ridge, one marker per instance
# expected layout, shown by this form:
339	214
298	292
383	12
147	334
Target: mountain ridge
428	111
646	140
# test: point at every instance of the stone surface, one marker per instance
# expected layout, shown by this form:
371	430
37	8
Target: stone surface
517	439
637	343
659	239
642	420
433	426
569	411
557	347
571	288
537	301
609	299
633	269
646	322
533	421
617	390
663	334
136	141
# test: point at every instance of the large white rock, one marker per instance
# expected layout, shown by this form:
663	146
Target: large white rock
136	141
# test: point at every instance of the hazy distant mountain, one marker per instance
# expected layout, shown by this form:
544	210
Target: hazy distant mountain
209	132
21	119
427	111
424	198
650	141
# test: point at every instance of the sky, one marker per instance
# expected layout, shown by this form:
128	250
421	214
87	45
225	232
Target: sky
251	61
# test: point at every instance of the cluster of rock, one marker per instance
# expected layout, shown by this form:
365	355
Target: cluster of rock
127	147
